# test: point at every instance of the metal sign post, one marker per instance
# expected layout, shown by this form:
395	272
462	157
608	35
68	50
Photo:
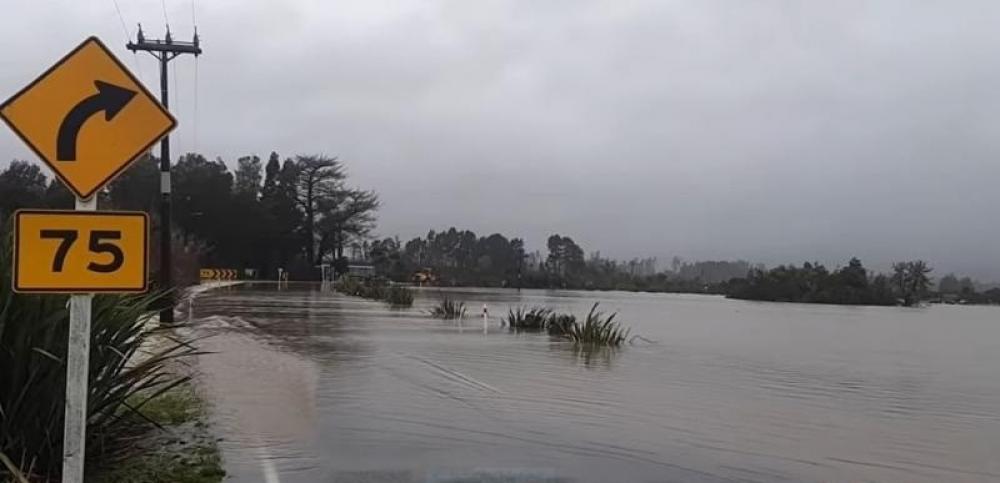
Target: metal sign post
77	372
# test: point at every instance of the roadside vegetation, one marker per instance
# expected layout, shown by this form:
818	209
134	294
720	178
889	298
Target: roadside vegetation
127	377
395	295
178	447
448	308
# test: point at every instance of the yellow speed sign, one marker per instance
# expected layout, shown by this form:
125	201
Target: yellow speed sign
80	251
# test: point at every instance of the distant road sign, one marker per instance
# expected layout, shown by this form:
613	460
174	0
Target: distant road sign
87	117
80	251
219	274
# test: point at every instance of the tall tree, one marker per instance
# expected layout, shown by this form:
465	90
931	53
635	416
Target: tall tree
271	176
345	215
319	177
248	177
911	280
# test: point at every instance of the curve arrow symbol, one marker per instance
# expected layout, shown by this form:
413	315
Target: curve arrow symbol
109	98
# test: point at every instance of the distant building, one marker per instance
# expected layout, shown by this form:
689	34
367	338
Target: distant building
361	269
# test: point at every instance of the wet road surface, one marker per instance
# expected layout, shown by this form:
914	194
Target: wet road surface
307	385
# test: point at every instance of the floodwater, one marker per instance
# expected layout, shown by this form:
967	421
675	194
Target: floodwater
307	385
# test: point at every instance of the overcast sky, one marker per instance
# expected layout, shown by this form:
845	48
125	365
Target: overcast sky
775	131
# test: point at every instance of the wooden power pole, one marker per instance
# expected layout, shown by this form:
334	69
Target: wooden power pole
165	50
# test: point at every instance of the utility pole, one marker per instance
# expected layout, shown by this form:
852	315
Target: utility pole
165	50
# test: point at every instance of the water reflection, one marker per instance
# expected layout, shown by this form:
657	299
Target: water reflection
590	356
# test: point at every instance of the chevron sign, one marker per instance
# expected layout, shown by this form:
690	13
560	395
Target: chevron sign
219	274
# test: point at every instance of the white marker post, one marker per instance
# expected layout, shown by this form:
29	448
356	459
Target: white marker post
77	372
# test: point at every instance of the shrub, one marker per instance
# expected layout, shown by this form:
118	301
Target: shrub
33	340
375	289
597	329
560	324
448	309
399	296
528	319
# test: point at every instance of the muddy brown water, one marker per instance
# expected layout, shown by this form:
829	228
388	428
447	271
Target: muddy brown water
307	385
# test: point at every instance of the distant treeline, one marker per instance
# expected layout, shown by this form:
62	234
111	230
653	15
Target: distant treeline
813	283
908	284
463	258
299	213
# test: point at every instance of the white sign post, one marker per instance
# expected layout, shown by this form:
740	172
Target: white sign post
77	372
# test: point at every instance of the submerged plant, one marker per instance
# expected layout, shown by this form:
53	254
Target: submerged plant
448	309
598	329
528	319
375	289
399	296
560	324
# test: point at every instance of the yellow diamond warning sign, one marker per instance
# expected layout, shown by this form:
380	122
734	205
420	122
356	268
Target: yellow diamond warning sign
87	117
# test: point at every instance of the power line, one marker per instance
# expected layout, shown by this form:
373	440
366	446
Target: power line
122	18
128	36
166	19
196	88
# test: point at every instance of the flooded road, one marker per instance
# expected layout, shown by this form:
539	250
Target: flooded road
312	386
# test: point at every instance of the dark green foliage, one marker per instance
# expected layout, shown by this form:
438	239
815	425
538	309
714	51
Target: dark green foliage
597	329
813	283
375	289
399	296
364	288
448	308
33	337
293	215
911	281
528	319
560	324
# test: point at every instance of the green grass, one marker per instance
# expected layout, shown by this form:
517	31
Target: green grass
448	309
177	406
181	450
197	464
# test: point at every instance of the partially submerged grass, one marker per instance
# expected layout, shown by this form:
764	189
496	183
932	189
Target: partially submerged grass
559	324
598	329
448	309
183	452
399	296
522	318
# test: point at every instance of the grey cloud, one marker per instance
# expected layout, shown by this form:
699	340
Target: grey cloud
770	130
